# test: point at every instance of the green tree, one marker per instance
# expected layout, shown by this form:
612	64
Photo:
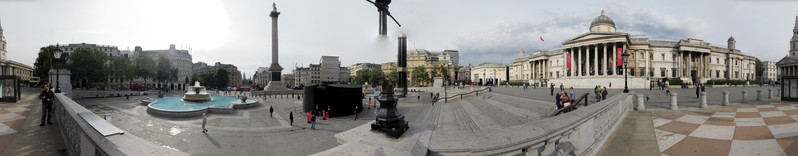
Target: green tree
376	76
165	72
392	77
759	69
208	80
88	64
44	62
361	76
196	78
145	67
445	74
222	78
420	74
120	69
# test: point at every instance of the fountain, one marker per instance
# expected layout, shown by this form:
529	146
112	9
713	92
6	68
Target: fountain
196	102
199	93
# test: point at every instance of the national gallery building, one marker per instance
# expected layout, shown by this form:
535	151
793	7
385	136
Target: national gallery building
594	58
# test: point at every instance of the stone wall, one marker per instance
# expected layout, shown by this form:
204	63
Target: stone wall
617	82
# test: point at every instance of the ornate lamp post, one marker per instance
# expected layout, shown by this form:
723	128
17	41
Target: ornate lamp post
625	72
57	55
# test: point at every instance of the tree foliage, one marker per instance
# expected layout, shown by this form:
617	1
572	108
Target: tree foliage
120	69
222	78
371	75
44	62
759	69
420	74
392	77
165	71
145	67
88	64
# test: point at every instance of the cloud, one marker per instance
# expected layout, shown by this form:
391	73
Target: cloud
502	42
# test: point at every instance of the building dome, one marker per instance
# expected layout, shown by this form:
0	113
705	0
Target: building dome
603	19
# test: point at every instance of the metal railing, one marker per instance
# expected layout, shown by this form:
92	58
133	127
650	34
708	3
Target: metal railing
572	106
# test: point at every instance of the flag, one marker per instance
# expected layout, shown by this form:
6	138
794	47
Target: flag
541	38
568	58
618	57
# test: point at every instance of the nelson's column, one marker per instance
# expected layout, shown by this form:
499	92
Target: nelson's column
275	69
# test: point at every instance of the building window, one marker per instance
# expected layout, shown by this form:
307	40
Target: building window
663	58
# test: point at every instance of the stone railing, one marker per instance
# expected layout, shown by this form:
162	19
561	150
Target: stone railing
78	94
579	132
82	137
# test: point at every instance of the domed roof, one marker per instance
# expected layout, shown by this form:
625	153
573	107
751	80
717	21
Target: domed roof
731	38
603	19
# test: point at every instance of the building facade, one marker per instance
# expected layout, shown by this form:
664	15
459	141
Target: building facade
180	59
10	67
788	67
359	66
262	77
770	73
234	77
489	73
464	74
595	56
330	69
429	60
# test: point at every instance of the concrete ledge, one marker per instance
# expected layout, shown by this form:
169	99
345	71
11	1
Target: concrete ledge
362	140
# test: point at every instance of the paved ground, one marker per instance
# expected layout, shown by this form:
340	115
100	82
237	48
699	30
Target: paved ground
20	133
734	130
254	132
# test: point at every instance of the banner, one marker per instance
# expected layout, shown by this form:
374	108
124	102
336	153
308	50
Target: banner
568	58
619	58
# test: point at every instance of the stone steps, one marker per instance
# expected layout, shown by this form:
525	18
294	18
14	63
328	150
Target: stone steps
530	105
433	115
499	115
463	119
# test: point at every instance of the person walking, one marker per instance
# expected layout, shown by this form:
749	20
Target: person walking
561	87
313	121
419	98
271	111
597	91
204	120
291	116
552	89
667	89
703	88
47	97
356	113
604	94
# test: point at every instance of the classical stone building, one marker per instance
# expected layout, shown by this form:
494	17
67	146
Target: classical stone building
262	77
388	67
421	57
770	72
330	69
359	66
595	58
234	74
310	75
489	73
180	59
789	68
464	74
10	67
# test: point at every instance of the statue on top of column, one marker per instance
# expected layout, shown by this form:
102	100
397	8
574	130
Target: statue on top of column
274	5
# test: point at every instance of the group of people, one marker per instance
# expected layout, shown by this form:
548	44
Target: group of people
601	93
564	99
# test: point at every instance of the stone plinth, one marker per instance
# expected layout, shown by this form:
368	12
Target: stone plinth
725	98
674	105
703	100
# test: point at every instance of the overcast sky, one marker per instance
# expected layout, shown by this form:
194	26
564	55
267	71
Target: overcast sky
239	31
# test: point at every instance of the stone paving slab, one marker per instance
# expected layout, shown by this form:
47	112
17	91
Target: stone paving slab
362	140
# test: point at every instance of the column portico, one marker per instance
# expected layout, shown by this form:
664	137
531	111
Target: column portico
579	62
604	70
595	60
614	60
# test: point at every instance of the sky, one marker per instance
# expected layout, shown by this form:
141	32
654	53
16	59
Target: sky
238	32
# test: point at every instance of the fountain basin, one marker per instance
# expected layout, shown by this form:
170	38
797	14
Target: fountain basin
176	107
197	97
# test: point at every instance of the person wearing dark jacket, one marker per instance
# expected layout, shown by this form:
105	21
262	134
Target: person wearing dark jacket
47	97
552	89
271	111
697	89
604	93
291	116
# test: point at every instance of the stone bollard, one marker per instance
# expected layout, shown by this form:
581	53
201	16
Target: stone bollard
725	98
758	95
703	100
640	105
673	101
745	93
770	93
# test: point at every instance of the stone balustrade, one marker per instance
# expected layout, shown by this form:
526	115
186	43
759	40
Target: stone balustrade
81	138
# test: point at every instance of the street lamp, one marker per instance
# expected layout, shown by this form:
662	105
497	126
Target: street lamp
625	72
57	54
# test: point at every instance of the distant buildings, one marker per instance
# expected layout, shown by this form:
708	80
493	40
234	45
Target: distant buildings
359	66
10	67
328	70
489	73
421	57
770	72
261	77
180	59
234	76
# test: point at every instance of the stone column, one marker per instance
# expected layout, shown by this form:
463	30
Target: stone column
770	93
690	64
745	93
579	61
758	95
674	106
604	70
572	63
640	102
680	73
703	100
595	60
725	98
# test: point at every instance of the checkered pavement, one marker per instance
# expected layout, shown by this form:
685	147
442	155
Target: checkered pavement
751	130
12	119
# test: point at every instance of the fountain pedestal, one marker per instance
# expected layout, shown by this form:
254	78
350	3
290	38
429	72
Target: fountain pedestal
197	94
